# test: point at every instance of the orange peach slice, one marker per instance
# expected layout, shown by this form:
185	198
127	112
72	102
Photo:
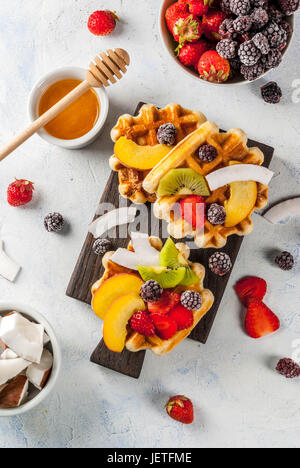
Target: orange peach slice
117	318
113	288
243	196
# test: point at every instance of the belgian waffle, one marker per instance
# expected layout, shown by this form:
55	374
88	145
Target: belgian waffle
136	342
142	130
232	147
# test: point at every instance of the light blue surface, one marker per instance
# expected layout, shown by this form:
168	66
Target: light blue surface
240	401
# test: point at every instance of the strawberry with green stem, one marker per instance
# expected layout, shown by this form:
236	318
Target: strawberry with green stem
213	68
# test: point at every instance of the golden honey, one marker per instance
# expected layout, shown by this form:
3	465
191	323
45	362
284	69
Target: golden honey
78	118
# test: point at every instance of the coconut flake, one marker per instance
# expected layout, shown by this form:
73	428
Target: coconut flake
142	247
238	172
8	354
37	374
104	223
22	336
278	213
8	268
9	368
15	393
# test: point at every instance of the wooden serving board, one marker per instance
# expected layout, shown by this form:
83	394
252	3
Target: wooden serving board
89	269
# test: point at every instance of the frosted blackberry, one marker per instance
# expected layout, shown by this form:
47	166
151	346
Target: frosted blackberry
288	368
207	153
191	300
225	6
101	246
287	27
274	58
275	34
227	48
216	214
151	291
240	7
288	6
253	72
259	18
235	64
262	43
271	92
249	54
275	14
220	263
54	222
285	261
242	24
226	30
166	134
259	3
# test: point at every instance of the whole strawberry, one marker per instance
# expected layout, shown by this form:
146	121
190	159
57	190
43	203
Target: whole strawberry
190	53
102	22
188	28
20	192
181	409
174	12
214	68
199	7
212	22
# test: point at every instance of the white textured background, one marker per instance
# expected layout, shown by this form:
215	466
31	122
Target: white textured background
240	401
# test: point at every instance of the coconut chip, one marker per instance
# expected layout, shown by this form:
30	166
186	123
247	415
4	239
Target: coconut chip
278	213
237	173
8	268
112	219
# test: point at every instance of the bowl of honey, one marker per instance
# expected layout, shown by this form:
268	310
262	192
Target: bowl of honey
82	121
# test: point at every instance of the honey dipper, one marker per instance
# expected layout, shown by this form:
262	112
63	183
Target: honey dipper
103	71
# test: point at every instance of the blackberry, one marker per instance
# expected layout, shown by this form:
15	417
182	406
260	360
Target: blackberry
216	214
259	18
285	261
274	58
262	43
191	300
288	368
225	6
101	246
227	48
54	222
259	3
220	263
207	153
235	64
287	27
226	29
242	24
240	7
166	134
249	54
253	72
271	93
275	14
288	6
151	291
275	34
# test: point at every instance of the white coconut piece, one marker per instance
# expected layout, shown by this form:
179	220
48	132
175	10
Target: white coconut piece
287	209
15	393
126	259
9	368
8	268
38	374
112	219
143	248
238	172
22	336
8	354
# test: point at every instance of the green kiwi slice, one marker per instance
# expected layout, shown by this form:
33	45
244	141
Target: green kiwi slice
165	277
183	182
170	257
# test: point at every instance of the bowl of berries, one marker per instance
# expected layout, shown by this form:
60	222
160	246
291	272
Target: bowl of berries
227	41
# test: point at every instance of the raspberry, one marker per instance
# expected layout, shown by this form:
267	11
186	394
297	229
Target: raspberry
242	24
166	134
183	317
253	72
285	260
191	300
288	368
207	153
259	18
226	30
289	6
262	43
151	291
240	7
249	54
216	214
220	263
227	48
274	58
141	323
101	246
275	34
54	222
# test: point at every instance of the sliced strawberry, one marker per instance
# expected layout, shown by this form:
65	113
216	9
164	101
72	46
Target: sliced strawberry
193	210
251	286
168	300
165	327
141	323
182	316
260	320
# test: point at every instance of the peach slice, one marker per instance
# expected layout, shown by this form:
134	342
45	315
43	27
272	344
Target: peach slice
111	289
243	196
139	157
117	318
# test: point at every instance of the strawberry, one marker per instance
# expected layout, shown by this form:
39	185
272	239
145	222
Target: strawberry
174	12
183	317
193	210
168	300
199	7
102	22
260	320
214	68
188	28
141	323
251	286
212	22
20	192
190	53
165	327
181	409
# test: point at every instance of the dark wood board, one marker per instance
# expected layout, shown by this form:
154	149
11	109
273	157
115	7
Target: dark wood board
89	269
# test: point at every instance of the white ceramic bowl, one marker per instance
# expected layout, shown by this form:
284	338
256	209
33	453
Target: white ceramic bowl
31	314
170	45
44	83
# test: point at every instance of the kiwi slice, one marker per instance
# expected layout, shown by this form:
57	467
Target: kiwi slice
190	277
183	182
171	257
165	277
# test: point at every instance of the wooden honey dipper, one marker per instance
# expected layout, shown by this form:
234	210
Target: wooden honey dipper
107	67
